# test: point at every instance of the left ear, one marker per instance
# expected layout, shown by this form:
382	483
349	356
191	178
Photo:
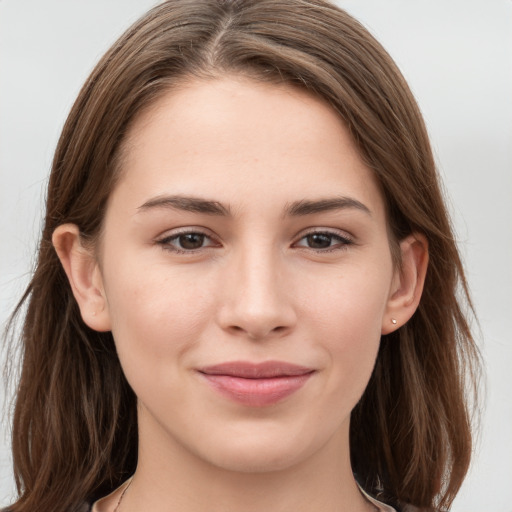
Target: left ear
407	283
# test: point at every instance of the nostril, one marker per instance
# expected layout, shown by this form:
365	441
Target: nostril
258	333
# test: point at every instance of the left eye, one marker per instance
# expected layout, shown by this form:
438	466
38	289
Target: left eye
184	242
322	240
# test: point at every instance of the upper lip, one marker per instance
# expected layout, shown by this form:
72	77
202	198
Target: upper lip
248	370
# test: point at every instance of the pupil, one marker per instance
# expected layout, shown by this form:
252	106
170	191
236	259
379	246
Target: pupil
319	241
191	241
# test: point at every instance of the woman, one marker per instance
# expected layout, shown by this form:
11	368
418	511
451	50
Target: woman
232	308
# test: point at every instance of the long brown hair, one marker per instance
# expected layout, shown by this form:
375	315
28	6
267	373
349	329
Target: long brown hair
75	425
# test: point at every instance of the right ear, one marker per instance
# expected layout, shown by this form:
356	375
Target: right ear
84	275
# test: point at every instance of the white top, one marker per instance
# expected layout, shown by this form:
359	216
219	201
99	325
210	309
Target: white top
381	507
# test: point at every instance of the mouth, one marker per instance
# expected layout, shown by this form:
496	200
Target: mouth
259	384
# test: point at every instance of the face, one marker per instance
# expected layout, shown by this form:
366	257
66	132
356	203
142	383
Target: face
246	272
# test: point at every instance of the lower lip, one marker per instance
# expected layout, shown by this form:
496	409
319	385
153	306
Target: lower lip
257	392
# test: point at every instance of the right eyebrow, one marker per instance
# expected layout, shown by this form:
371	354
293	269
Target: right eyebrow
188	204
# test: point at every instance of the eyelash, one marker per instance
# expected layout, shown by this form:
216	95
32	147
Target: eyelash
342	242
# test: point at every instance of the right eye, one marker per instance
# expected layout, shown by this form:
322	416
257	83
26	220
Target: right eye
187	241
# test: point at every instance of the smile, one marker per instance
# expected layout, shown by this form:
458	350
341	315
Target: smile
256	385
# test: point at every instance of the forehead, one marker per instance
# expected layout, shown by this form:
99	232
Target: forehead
235	138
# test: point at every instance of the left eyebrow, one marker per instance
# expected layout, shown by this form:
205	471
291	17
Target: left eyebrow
306	207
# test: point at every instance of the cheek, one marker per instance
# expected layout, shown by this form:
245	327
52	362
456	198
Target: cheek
347	317
155	315
351	301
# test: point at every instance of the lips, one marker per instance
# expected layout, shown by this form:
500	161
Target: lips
259	384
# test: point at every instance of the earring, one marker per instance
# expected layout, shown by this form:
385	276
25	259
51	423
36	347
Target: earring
393	321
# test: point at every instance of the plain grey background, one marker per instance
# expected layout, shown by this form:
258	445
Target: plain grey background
457	57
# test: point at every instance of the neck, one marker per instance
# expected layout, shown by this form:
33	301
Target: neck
169	478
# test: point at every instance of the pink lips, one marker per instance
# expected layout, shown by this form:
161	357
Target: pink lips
256	384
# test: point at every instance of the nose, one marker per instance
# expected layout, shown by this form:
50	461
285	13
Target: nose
256	296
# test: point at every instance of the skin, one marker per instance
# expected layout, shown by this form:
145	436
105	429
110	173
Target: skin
256	288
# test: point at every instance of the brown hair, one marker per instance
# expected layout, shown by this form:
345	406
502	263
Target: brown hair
75	425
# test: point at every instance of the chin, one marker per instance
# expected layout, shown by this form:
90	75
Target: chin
259	454
256	461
